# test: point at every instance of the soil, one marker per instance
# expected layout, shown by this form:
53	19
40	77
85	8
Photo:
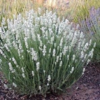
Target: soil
86	88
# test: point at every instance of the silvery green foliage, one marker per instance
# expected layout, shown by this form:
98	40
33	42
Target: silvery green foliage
40	53
91	25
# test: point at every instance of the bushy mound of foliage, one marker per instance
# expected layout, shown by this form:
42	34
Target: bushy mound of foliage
40	53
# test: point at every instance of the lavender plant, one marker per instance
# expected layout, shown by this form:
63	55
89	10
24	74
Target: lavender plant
80	8
92	26
40	53
89	23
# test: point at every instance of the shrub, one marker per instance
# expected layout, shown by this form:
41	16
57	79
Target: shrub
92	26
89	24
80	8
41	53
15	7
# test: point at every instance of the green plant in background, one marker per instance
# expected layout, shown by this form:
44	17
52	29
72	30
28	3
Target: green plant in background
96	39
8	8
74	10
80	8
40	54
13	7
87	14
91	25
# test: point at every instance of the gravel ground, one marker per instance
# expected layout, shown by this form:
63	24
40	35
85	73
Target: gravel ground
86	88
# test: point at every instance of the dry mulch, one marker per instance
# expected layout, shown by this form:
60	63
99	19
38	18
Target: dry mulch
86	88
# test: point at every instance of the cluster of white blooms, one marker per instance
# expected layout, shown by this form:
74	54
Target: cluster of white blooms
32	73
41	43
11	68
5	86
44	50
72	69
6	46
1	52
22	69
49	78
60	63
13	59
0	30
73	57
83	70
34	54
23	75
40	88
91	53
26	44
14	84
37	66
54	52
